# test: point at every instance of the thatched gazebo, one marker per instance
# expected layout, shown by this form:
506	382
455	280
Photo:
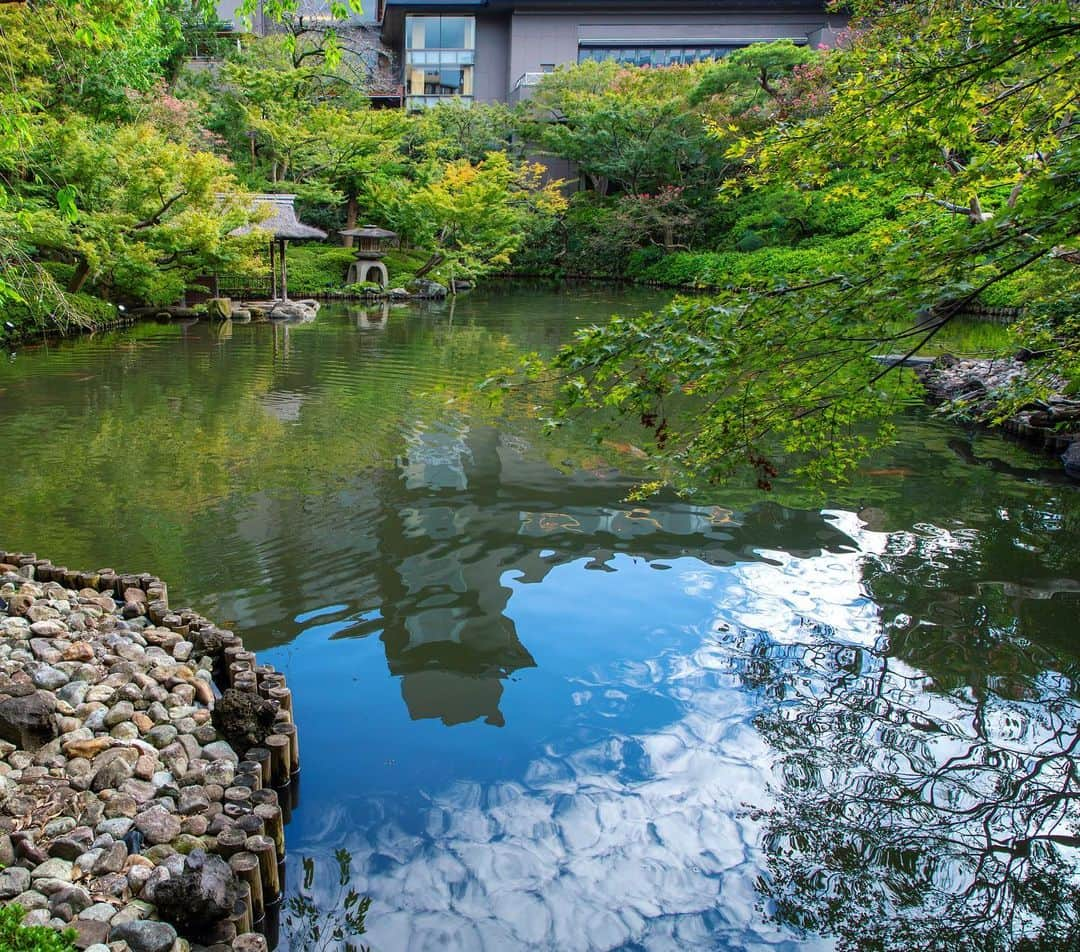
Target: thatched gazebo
283	226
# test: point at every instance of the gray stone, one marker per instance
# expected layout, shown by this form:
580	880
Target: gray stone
112	860
99	912
116	827
74	897
32	899
220	750
14	881
158	825
60	826
144	935
54	868
28	720
1071	458
90	933
133	911
49	678
119	712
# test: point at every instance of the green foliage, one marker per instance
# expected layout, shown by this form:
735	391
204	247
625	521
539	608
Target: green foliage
15	937
937	165
316	268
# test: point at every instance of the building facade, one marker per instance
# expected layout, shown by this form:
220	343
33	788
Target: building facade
497	50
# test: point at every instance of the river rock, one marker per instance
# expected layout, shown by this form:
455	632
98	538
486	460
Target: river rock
1071	458
245	719
158	825
144	935
13	881
59	869
28	720
90	932
201	896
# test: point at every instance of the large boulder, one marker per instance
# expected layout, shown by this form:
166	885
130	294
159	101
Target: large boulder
219	309
245	719
300	311
200	897
1072	459
144	935
424	288
28	721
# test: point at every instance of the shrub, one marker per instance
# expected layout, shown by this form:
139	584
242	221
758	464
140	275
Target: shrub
15	937
316	268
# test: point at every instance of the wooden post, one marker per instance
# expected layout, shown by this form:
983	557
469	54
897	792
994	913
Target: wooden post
266	795
280	761
273	273
246	867
284	272
242	912
261	756
230	842
284	698
289	730
273	824
251	825
263	848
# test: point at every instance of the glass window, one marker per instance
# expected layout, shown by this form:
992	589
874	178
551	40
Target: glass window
439	58
654	56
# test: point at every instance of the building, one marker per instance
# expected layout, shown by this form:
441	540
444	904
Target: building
497	50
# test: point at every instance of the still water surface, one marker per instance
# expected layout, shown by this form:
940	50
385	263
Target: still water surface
542	717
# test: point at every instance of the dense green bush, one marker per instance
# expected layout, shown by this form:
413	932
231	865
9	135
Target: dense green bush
763	268
316	268
15	937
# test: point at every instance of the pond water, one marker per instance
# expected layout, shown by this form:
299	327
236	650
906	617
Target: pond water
539	716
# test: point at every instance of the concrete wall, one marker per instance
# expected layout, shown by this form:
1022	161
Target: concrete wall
490	78
538	38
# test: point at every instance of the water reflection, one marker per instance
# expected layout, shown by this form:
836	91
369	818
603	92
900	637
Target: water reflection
543	717
451	528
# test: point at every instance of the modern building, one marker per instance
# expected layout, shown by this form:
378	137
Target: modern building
497	50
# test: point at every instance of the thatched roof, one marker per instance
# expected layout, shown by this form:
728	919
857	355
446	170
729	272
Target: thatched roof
368	231
282	222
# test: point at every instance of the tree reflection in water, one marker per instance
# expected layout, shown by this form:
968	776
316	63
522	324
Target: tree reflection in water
913	820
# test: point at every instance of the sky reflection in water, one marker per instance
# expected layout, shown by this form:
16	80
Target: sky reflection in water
542	717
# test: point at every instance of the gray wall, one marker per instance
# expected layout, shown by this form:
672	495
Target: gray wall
537	38
490	80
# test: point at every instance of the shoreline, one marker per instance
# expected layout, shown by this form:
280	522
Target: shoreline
148	765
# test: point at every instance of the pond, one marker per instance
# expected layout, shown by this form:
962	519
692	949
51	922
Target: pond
540	716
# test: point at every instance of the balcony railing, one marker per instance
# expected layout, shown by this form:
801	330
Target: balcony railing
529	79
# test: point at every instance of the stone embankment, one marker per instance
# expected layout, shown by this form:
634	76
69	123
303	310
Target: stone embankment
973	387
146	768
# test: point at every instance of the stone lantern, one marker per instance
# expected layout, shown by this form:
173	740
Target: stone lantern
370	247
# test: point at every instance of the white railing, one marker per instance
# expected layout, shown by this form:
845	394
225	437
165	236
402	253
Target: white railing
529	79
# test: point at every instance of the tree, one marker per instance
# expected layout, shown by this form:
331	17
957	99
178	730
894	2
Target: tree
628	129
972	106
474	213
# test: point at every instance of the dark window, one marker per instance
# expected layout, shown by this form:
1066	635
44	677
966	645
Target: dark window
655	55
